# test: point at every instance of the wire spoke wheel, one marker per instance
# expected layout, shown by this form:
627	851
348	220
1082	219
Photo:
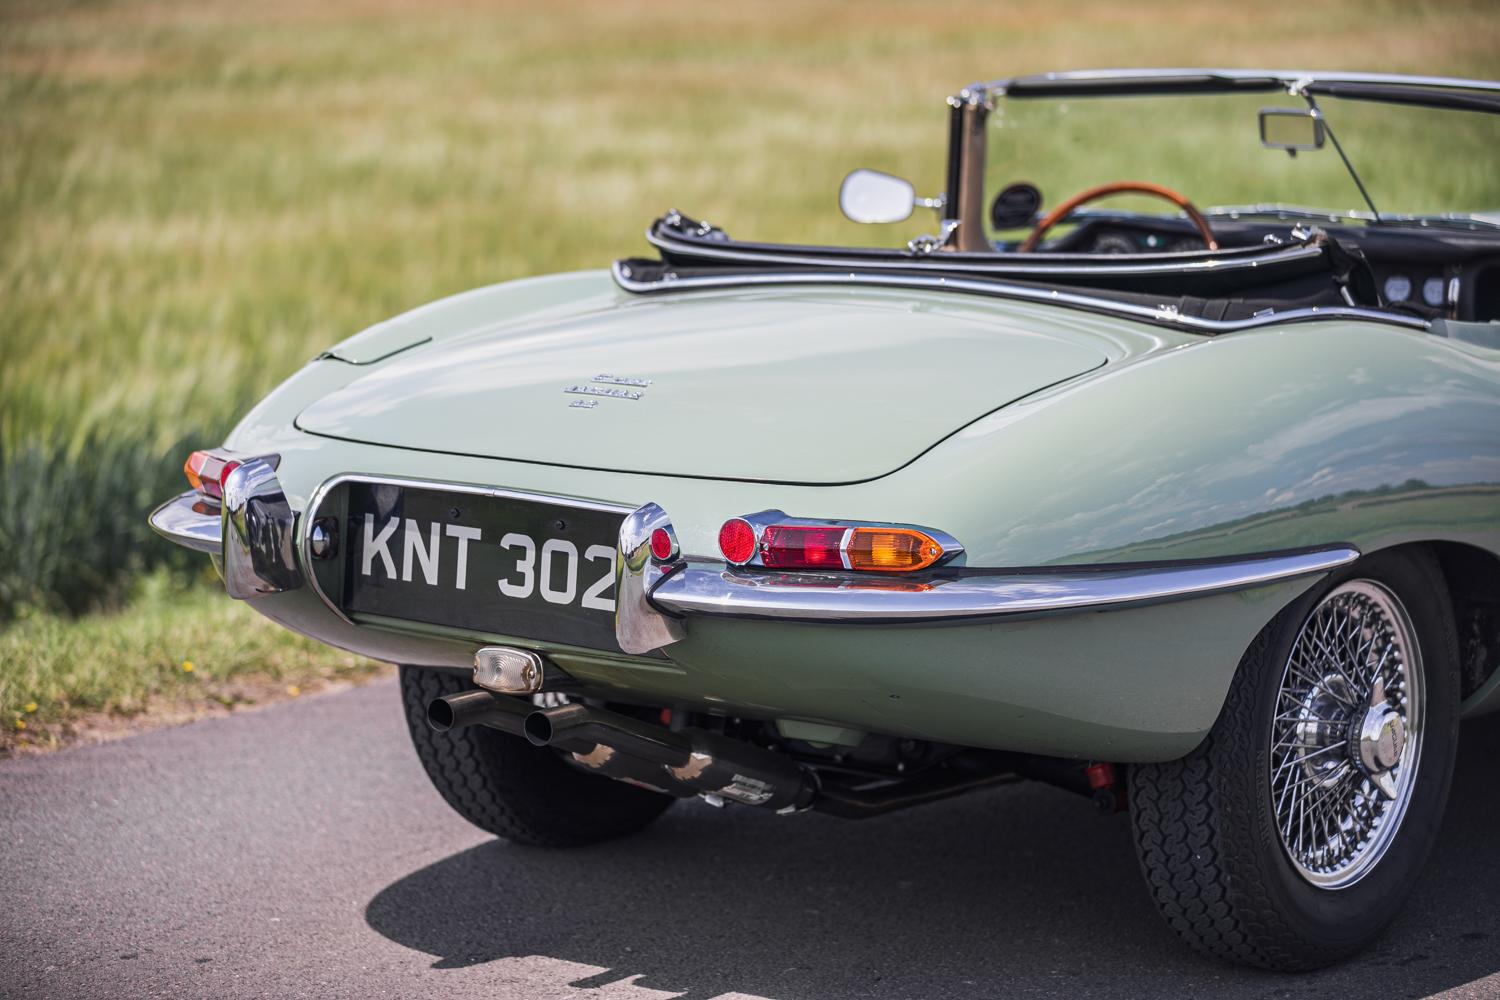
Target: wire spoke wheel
1293	834
1346	734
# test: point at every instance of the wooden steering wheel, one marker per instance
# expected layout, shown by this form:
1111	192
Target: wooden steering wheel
1067	208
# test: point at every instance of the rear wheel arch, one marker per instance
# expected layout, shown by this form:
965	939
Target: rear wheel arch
1208	834
1471	584
1472	575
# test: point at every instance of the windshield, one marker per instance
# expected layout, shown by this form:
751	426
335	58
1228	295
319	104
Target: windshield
1413	160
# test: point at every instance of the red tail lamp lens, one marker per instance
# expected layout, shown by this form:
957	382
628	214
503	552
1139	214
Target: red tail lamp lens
229	467
737	541
892	550
801	546
662	546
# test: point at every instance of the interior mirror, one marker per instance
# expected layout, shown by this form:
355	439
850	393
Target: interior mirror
1016	206
871	196
1290	129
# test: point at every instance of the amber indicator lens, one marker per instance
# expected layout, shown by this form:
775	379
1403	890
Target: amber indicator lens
891	550
737	541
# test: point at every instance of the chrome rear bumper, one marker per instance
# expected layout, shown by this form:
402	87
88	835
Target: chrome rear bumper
190	521
713	589
254	534
689	588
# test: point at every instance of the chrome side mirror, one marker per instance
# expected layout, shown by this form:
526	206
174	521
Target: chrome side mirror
1291	129
871	196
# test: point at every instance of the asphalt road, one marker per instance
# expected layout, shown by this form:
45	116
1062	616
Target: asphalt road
299	851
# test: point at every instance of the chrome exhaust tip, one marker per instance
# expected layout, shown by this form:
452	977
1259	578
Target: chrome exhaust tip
537	729
477	708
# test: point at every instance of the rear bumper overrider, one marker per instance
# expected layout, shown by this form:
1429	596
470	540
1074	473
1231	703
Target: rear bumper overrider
252	530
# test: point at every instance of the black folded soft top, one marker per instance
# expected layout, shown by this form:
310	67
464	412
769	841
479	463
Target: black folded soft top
1208	291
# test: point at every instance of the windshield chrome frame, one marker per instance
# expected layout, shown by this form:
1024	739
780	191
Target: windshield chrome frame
971	107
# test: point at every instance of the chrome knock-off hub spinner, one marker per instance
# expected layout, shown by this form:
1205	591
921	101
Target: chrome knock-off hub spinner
1378	743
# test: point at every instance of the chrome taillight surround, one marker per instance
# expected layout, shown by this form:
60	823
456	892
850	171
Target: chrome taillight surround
760	522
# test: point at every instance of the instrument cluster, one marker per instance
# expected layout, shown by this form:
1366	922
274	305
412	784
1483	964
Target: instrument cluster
1113	241
1435	290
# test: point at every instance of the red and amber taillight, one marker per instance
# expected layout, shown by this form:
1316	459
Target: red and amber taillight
776	541
207	470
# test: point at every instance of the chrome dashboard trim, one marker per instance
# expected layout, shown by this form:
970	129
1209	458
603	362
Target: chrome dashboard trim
1161	316
716	590
181	522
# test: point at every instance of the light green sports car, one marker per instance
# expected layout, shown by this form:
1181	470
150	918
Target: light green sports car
1193	510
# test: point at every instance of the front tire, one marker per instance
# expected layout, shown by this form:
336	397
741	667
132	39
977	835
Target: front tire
518	792
1292	835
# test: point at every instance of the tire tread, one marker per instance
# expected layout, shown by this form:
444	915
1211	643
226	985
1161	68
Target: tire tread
518	792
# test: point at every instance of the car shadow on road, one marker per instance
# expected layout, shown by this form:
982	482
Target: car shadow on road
1023	889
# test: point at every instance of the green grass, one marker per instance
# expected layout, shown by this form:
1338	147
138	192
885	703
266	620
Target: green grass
179	648
196	197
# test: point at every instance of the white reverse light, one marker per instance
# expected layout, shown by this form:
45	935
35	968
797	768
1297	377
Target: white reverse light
508	671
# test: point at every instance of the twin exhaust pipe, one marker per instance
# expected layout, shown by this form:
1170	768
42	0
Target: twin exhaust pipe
676	762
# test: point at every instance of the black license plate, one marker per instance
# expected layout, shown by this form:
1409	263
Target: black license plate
503	564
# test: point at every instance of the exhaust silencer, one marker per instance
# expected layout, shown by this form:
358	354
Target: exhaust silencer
681	763
743	772
612	763
692	759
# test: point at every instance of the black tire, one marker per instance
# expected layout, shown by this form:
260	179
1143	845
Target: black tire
1205	826
506	786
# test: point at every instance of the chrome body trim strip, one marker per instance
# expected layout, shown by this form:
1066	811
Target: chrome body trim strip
186	520
1028	264
1161	316
315	501
714	589
259	524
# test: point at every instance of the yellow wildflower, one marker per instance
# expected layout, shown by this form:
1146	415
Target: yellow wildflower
20	722
187	666
30	707
293	690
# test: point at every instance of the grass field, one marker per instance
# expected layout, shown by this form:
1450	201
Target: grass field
196	197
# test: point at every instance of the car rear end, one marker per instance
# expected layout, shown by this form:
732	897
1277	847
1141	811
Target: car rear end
434	487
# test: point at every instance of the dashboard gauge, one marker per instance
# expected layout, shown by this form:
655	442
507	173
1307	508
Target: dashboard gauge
1397	288
1185	245
1113	243
1432	291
